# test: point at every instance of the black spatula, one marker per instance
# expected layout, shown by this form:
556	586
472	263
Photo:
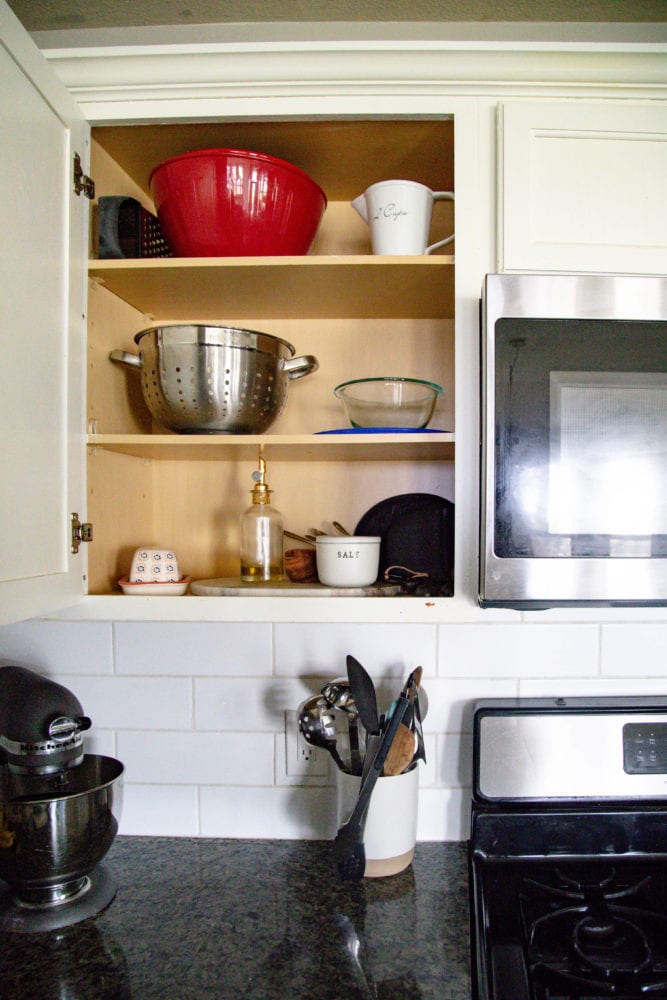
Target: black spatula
363	692
349	842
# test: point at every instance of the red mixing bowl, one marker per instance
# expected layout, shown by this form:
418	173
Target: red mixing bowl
234	203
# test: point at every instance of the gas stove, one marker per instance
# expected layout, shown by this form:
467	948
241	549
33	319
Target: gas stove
568	849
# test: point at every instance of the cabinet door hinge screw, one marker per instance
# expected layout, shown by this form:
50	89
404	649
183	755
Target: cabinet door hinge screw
82	183
80	533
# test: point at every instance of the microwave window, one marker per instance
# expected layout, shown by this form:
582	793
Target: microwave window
607	472
581	438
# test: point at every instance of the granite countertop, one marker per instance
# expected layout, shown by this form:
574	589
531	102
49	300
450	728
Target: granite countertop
254	920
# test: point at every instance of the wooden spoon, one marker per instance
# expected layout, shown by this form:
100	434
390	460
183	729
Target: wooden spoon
401	752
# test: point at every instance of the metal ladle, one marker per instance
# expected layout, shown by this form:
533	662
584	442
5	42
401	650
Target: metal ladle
317	725
338	695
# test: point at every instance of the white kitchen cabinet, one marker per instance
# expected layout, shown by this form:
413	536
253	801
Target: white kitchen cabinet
360	315
43	304
141	483
582	186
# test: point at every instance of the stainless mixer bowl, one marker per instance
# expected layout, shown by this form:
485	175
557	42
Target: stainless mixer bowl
54	831
214	379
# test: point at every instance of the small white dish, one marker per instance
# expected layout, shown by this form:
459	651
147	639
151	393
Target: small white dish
139	589
154	566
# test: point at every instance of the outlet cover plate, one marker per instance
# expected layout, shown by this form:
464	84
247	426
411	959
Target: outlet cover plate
297	762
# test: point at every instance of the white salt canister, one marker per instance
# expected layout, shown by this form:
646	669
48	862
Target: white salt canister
347	561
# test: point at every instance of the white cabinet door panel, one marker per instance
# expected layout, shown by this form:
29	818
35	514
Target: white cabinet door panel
41	330
582	187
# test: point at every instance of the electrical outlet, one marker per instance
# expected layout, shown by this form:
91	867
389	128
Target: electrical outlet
302	760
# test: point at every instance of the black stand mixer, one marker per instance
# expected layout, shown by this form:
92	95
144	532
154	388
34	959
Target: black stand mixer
59	807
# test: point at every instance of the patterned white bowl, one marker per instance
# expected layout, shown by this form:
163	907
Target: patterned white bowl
154	566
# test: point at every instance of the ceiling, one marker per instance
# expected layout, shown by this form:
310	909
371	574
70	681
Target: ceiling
50	15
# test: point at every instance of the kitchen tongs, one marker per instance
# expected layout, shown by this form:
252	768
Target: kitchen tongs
414	717
349	842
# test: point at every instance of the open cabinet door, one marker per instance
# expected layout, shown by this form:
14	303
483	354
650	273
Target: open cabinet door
43	238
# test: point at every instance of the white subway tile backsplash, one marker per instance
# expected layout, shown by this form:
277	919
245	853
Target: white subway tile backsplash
384	650
601	687
634	650
100	741
193	649
451	701
250	704
287	813
197	758
134	702
444	814
428	769
598	615
309	813
54	648
454	759
518	650
195	711
160	811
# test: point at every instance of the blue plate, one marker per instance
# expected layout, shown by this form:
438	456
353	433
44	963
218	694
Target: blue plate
384	430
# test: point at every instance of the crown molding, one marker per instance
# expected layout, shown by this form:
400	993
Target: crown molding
121	82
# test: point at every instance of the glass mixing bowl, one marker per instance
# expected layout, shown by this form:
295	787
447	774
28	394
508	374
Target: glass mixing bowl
390	402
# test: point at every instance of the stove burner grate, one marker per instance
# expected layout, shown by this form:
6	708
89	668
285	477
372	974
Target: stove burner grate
588	934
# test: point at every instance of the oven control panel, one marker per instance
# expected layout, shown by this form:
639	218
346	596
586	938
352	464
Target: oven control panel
645	748
563	754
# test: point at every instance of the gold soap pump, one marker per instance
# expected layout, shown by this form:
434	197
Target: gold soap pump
261	534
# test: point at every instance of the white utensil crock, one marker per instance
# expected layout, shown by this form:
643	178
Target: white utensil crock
391	823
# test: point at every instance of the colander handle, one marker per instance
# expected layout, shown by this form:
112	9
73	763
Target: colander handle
298	367
125	358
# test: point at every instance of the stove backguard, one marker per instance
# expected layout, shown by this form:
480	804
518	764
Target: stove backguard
570	749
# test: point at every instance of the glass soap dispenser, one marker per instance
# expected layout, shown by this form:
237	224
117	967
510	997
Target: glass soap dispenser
261	534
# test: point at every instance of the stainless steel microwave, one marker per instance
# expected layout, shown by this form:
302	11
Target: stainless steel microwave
574	441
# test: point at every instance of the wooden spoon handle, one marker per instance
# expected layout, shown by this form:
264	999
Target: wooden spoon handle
401	752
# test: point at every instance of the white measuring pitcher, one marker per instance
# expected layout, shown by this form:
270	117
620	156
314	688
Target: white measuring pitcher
399	214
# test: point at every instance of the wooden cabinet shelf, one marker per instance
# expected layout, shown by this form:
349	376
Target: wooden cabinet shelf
331	287
281	447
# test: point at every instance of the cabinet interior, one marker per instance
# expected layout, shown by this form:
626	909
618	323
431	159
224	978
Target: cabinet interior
359	314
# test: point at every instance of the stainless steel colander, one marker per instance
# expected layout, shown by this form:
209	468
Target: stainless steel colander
214	379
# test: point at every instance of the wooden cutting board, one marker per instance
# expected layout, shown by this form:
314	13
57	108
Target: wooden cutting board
234	587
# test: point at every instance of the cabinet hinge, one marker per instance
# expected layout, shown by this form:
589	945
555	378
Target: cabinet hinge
80	533
82	183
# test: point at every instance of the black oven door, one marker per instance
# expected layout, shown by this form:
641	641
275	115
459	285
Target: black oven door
569	904
574	500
